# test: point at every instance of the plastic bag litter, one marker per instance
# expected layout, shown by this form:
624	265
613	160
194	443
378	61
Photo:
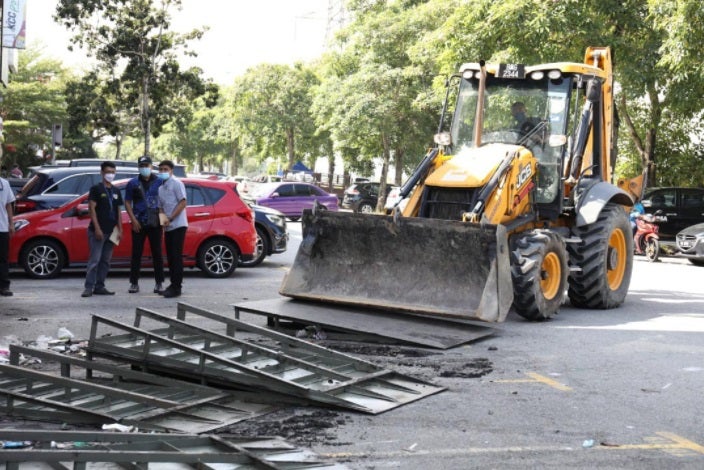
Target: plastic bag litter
64	334
118	427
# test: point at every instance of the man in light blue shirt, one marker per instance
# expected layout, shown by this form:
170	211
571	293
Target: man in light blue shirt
172	210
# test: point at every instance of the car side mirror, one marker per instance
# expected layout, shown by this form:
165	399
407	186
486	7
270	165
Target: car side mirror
274	194
82	210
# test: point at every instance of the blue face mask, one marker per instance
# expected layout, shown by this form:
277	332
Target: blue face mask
163	176
145	171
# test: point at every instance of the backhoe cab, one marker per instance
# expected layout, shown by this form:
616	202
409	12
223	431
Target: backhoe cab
514	206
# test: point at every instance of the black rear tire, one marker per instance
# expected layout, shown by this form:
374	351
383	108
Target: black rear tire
604	258
539	271
262	250
696	262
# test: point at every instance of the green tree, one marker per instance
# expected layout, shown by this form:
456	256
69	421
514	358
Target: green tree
131	39
370	98
649	41
31	104
272	102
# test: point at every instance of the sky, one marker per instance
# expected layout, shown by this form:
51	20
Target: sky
242	33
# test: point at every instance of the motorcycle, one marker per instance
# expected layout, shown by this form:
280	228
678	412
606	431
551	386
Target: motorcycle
646	238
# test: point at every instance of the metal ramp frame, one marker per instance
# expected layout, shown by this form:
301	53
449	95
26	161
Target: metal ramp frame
121	395
254	357
144	451
378	325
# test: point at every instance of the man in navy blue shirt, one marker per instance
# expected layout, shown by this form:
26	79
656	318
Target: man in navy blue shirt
142	204
104	203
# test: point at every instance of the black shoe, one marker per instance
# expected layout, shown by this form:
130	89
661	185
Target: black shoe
102	291
171	292
6	292
134	288
158	288
87	293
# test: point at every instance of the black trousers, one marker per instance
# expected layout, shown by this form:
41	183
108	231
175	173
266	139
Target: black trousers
4	263
174	254
138	239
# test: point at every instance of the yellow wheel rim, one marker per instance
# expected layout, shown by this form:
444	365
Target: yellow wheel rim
550	275
616	259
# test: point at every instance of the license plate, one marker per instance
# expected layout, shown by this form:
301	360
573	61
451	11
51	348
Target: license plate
686	244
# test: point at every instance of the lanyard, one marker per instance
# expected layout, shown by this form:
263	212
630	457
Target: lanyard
108	192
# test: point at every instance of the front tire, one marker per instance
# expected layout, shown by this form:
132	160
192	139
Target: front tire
365	208
539	271
652	249
42	259
604	258
218	258
262	249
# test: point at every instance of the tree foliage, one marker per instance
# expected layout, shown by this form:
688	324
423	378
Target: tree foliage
31	104
272	104
131	41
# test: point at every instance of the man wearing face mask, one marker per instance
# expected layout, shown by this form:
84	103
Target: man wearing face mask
172	207
142	205
104	203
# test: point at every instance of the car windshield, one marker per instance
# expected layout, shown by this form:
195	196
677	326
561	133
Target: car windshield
262	190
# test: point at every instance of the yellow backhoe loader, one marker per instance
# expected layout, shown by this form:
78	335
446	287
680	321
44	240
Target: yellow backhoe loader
514	206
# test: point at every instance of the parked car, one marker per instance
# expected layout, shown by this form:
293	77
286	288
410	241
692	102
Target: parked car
363	197
220	232
683	208
690	244
272	236
179	170
17	184
54	186
291	198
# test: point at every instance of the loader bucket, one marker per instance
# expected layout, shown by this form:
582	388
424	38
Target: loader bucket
427	266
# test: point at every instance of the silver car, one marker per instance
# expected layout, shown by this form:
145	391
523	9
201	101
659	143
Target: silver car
690	243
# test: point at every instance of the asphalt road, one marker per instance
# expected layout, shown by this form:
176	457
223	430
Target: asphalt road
589	389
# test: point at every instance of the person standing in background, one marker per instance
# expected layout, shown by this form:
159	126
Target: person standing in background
142	205
7	229
172	211
104	203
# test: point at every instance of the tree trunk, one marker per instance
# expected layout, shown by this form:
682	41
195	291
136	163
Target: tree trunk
398	167
234	169
146	121
291	149
386	156
331	170
645	147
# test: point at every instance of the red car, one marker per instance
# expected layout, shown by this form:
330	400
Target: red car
220	233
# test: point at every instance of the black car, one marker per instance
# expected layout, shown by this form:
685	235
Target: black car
683	207
363	197
54	186
272	236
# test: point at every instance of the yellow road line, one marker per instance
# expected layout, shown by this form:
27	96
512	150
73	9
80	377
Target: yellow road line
537	378
667	442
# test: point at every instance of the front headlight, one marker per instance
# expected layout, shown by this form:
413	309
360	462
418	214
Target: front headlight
276	219
20	224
